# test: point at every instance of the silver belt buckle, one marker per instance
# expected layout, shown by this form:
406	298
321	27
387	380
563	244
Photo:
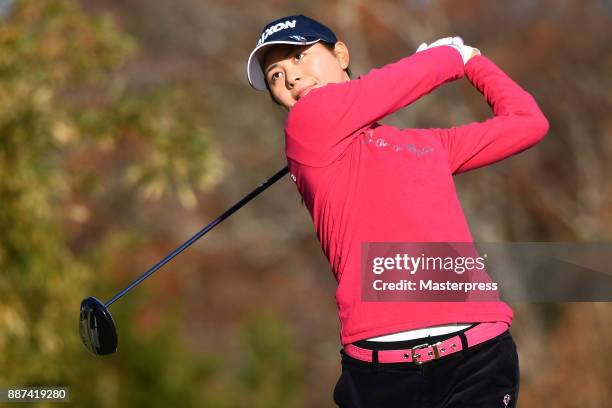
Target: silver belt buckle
416	355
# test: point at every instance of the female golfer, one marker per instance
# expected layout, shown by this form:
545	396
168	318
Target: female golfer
363	182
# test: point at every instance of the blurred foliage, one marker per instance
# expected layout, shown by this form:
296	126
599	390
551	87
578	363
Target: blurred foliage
270	374
65	111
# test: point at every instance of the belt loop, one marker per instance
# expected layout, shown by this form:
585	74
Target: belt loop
375	360
464	342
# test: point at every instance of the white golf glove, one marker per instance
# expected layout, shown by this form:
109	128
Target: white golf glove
456	42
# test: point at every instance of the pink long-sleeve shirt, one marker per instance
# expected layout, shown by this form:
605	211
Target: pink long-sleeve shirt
366	182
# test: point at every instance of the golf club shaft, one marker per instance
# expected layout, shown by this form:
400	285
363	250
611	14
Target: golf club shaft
203	231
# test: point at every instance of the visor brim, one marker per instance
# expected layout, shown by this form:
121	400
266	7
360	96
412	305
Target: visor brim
255	73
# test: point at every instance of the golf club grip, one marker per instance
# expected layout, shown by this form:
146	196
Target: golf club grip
201	233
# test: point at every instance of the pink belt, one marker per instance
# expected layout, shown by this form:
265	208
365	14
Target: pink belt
424	353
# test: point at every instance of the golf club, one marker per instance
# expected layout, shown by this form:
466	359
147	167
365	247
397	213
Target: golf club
96	326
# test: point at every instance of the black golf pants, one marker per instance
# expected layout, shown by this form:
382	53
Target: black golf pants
484	375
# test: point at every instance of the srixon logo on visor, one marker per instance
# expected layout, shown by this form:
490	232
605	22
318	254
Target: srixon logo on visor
276	28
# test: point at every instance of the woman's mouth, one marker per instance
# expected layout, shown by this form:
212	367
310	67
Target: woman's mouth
303	92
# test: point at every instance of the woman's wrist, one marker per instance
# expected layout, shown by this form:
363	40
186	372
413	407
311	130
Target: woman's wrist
465	51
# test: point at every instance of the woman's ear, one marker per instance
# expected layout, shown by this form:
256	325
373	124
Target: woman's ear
342	54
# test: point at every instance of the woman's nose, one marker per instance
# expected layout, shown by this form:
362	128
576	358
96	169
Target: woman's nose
292	77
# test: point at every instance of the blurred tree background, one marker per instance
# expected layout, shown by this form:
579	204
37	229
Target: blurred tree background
127	126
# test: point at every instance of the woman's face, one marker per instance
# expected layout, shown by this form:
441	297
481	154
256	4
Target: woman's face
292	70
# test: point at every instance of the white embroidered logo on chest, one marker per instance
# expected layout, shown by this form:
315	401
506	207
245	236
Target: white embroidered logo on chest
368	138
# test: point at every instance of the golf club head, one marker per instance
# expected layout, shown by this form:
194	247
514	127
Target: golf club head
97	328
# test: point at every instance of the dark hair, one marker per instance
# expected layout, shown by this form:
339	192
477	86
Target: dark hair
327	45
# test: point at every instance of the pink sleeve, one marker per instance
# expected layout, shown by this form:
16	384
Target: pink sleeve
517	124
320	126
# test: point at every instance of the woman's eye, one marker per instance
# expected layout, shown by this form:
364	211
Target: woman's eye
299	56
275	76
